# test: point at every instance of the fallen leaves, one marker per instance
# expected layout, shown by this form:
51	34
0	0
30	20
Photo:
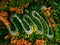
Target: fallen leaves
4	18
16	9
21	41
1	6
47	13
49	9
19	10
12	9
7	36
39	42
52	22
46	10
